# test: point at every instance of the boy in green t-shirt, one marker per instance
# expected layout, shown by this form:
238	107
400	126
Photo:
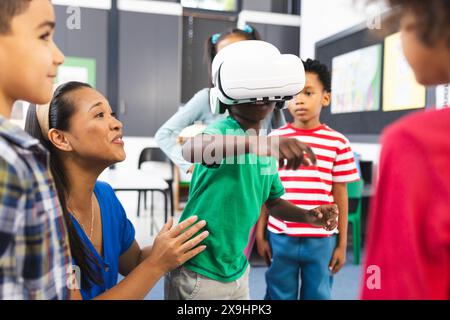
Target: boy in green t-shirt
228	190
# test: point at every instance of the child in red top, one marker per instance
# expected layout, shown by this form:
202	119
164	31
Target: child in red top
408	244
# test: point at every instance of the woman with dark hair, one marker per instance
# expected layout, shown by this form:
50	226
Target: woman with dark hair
84	138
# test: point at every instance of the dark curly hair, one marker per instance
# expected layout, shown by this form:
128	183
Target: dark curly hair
432	18
8	10
322	71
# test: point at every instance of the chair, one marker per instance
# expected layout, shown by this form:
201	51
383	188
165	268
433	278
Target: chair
154	158
355	190
181	186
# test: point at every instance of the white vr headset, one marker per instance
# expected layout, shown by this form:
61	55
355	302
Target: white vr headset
251	71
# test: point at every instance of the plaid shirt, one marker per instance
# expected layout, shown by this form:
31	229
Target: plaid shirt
34	246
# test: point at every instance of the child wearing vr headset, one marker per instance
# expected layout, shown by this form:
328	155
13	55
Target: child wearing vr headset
197	112
236	172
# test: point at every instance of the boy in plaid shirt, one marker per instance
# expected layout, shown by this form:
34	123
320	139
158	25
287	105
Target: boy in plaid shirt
34	247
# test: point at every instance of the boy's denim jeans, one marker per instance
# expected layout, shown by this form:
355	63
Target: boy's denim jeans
295	258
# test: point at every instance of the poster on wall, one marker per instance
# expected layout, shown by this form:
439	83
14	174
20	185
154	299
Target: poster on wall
401	91
77	69
217	5
442	95
356	81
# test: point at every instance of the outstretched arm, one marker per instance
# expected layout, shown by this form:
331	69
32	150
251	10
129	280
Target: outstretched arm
323	216
212	149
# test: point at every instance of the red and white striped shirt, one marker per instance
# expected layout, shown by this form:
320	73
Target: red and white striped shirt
310	187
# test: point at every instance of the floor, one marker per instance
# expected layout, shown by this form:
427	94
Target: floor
346	282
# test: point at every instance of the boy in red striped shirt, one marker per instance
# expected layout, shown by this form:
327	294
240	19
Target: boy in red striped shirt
297	250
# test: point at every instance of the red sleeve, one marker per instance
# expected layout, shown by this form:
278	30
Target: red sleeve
405	230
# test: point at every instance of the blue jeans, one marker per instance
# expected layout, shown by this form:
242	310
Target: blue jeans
295	258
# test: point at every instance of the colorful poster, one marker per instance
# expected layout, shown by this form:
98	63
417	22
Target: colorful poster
356	81
401	91
77	69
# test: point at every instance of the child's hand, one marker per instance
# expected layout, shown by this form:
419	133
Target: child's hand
191	169
325	216
338	259
294	152
264	250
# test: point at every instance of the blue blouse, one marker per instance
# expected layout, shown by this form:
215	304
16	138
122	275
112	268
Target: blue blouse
118	236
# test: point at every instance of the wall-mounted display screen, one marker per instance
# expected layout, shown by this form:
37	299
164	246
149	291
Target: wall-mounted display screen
356	81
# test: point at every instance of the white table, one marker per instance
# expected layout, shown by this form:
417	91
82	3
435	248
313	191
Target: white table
138	181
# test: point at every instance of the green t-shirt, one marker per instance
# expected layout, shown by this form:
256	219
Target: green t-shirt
229	197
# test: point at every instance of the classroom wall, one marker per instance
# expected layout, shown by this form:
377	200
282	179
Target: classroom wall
88	42
259	5
279	6
317	14
149	70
